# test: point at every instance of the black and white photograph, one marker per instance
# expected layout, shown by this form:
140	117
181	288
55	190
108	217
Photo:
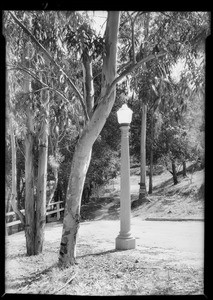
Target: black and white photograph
105	152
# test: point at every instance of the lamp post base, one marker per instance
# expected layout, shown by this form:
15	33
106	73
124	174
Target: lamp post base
125	243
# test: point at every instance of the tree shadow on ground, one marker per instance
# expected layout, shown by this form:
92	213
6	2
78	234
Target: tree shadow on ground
17	255
161	188
99	253
26	281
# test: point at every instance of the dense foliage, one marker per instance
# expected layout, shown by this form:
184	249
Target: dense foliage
176	103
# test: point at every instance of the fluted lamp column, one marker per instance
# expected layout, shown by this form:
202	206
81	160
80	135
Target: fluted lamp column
124	240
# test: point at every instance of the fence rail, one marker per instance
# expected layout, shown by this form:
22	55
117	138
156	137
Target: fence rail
48	212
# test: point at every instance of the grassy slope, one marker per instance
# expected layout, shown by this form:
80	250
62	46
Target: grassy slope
184	200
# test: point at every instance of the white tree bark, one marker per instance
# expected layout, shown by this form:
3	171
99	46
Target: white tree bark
88	82
82	155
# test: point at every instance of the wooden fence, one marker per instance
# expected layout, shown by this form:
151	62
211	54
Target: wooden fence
53	208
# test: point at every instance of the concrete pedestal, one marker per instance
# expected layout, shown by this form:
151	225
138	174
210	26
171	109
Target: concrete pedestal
125	243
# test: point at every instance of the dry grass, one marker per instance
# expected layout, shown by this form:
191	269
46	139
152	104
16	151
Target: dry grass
162	263
101	270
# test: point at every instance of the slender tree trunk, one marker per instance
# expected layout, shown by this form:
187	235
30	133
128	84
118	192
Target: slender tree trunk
184	168
174	172
53	141
30	227
18	185
151	155
82	154
42	176
29	190
142	192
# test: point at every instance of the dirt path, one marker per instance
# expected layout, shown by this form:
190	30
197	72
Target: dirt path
179	237
185	237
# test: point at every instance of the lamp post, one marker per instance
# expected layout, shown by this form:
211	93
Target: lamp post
124	240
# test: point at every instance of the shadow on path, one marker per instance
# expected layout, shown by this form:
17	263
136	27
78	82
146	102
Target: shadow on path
99	253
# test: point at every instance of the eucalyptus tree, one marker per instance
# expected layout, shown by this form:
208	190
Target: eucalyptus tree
93	123
94	105
36	79
179	35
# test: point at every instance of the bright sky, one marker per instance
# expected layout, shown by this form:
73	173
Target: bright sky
177	69
99	20
99	23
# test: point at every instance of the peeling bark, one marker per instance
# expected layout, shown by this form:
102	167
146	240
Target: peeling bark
71	221
82	154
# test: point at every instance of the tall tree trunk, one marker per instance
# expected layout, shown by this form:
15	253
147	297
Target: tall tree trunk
151	154
82	154
184	168
29	188
42	175
142	192
29	164
174	172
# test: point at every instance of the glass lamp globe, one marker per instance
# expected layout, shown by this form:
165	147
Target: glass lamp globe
124	115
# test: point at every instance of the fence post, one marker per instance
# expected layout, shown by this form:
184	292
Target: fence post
58	212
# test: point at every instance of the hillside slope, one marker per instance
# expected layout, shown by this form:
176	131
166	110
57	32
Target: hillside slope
184	200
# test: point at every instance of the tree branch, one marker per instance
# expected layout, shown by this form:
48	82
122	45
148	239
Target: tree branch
40	81
139	13
130	69
133	37
51	59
